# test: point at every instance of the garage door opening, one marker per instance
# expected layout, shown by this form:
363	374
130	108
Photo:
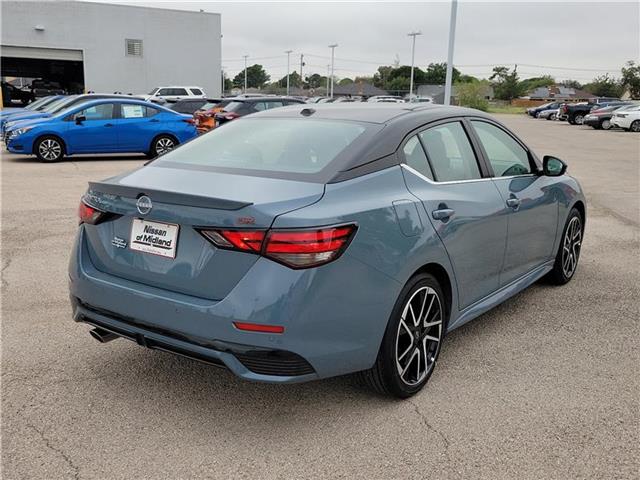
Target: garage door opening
38	72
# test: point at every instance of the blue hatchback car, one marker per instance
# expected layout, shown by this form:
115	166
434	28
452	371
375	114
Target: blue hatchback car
312	241
102	126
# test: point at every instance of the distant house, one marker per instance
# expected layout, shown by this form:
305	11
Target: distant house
559	92
436	92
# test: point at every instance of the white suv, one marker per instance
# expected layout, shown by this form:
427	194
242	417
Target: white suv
627	118
173	94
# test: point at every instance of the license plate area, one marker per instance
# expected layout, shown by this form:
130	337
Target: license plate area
156	238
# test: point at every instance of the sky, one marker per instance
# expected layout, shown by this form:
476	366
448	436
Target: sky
569	40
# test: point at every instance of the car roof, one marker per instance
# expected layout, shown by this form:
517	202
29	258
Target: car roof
392	121
262	99
381	113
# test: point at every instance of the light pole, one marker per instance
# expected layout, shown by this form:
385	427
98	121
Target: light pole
452	36
245	73
222	89
413	57
333	48
288	52
328	75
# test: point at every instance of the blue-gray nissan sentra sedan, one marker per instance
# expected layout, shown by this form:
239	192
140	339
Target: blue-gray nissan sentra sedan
307	242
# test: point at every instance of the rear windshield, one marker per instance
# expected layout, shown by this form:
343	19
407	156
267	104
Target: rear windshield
279	147
210	105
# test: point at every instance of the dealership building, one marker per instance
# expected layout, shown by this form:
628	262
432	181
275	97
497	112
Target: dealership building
105	48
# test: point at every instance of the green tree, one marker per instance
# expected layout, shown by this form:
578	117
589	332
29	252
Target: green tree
382	76
316	80
468	79
605	86
256	77
436	74
506	84
571	84
529	84
631	79
294	80
471	94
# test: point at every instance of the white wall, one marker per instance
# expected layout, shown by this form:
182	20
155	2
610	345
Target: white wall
179	48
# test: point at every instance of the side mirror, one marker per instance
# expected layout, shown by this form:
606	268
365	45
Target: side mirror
80	119
553	167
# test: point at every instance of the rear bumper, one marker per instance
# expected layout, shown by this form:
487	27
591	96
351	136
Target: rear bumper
334	317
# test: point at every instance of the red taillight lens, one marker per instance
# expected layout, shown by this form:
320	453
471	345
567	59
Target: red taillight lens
88	214
245	240
303	249
294	248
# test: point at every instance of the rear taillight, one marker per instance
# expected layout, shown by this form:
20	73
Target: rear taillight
190	121
293	248
229	115
89	214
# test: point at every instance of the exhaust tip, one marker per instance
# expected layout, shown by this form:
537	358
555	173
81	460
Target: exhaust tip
102	336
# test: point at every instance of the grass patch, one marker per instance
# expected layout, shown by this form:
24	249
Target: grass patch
506	109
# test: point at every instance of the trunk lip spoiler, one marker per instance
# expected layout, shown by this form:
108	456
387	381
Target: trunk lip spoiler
163	196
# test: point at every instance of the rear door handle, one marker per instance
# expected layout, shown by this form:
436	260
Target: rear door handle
155	120
514	202
108	124
442	214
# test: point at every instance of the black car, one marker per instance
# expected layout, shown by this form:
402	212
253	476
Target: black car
240	107
575	112
11	94
190	105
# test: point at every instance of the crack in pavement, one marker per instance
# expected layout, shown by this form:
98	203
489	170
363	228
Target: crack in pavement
5	284
47	442
445	440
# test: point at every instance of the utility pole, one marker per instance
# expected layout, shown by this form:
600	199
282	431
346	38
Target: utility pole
288	52
301	65
413	57
328	75
222	89
452	36
245	73
333	49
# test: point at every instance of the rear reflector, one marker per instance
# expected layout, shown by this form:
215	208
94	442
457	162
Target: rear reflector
258	327
294	248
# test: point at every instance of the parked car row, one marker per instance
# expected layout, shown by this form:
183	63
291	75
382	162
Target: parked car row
603	114
56	126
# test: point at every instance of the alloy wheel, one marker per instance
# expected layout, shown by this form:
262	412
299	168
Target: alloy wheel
606	125
164	144
571	247
579	119
50	149
419	335
635	126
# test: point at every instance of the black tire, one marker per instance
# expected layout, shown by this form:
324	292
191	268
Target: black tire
49	149
536	115
571	120
560	273
606	125
635	126
161	145
384	376
578	118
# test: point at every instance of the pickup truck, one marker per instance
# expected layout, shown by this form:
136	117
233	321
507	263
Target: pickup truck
574	113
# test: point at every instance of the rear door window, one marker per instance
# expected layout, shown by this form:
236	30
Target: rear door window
196	91
133	111
179	91
450	154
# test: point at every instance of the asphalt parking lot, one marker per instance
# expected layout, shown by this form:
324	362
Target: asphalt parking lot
545	386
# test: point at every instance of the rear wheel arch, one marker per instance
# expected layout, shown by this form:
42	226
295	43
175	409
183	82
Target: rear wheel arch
443	278
582	210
